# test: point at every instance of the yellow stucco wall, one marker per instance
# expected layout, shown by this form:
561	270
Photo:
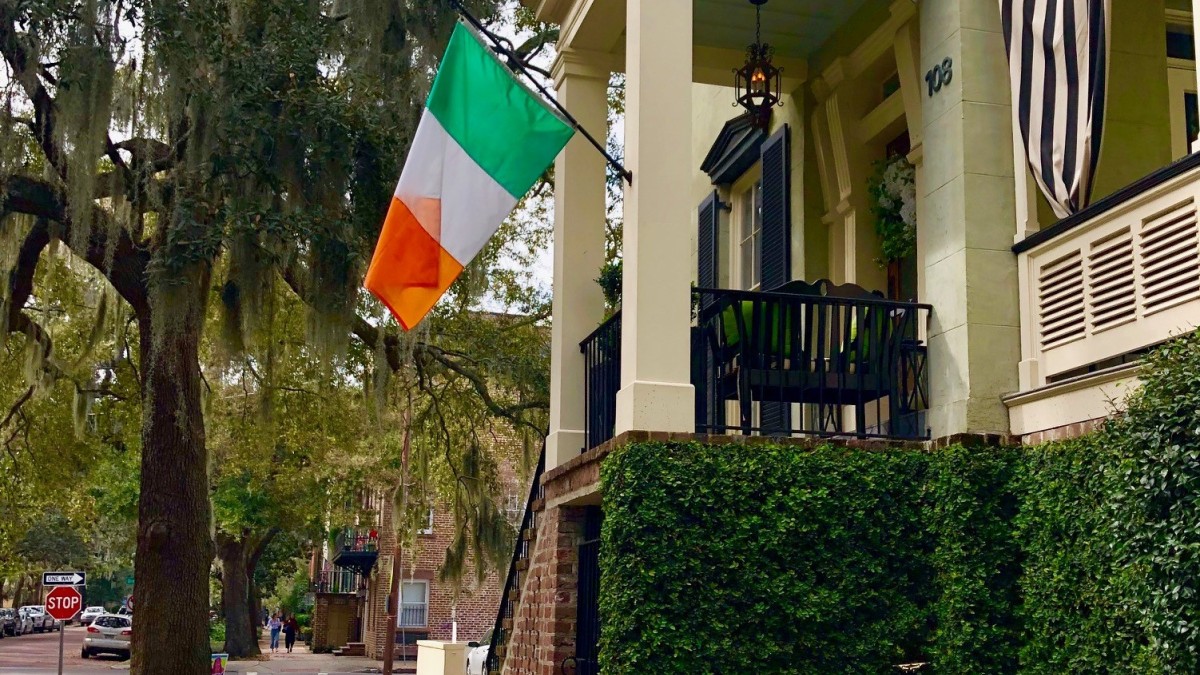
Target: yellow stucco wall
1137	128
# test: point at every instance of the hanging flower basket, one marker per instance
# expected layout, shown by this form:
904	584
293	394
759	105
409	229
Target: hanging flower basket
893	192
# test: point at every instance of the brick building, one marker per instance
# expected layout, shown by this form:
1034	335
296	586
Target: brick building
352	580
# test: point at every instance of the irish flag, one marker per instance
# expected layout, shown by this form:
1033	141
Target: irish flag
482	142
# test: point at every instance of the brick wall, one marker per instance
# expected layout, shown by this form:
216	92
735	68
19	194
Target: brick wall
476	605
544	624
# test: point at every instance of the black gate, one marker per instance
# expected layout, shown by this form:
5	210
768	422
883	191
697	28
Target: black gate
587	631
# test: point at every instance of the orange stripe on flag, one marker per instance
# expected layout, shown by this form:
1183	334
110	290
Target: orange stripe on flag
409	271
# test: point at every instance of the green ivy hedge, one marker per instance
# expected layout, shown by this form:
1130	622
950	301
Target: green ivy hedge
1082	556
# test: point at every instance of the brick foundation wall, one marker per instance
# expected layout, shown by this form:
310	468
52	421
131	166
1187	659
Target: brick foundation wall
1063	433
544	624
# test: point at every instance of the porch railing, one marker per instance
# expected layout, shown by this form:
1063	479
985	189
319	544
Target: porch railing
602	378
337	581
517	569
803	363
810	364
1113	280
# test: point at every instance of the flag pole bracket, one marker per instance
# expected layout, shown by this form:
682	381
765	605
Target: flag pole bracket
514	61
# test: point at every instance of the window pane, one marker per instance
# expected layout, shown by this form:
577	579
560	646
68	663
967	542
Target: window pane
414	591
747	263
1180	45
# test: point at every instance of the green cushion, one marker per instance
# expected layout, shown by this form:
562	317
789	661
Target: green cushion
733	335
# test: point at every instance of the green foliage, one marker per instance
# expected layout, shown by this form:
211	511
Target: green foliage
216	631
1156	507
762	559
1067	557
610	283
970	505
1077	612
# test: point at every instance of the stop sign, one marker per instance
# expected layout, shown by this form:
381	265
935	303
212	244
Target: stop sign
63	603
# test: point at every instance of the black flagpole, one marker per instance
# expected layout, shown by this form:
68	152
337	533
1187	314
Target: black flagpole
516	62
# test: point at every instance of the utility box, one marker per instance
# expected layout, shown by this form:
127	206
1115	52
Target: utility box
441	658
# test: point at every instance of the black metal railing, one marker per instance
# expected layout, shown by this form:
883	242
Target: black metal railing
356	540
602	378
337	581
809	363
517	569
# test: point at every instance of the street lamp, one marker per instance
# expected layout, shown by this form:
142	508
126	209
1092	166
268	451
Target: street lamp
757	83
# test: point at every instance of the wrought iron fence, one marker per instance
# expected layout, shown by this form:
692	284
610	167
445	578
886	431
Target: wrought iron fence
517	569
810	364
602	378
337	581
587	625
356	540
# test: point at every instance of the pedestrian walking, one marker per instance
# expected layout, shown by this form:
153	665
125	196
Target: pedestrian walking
290	628
275	624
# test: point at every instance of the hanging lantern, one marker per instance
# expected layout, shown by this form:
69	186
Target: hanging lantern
757	83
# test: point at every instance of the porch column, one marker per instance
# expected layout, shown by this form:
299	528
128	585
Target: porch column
579	209
656	391
969	218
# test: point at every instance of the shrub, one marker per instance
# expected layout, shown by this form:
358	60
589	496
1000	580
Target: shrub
764	559
1072	557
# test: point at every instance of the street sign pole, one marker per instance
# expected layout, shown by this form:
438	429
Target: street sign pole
61	642
62	603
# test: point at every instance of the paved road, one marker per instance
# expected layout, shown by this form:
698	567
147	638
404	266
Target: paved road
37	654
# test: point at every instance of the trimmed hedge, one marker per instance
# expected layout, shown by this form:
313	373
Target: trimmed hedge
1069	557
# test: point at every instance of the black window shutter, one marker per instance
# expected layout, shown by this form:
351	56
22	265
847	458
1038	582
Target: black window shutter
709	242
776	210
775	417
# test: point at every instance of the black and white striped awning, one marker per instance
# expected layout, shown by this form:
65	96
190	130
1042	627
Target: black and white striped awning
1058	61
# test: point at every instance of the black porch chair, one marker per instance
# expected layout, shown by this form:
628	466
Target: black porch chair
819	344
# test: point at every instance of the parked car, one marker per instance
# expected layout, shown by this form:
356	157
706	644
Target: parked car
478	654
88	615
24	622
108	634
42	622
125	611
8	621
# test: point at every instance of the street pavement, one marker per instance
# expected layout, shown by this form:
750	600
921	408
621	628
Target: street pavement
37	654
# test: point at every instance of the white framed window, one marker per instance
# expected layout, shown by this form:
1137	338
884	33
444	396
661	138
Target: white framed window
414	604
746	263
427	526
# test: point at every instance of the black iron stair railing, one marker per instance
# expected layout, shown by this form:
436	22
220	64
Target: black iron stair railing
522	552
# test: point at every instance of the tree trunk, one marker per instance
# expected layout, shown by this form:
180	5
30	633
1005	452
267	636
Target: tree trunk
240	640
255	604
174	546
20	586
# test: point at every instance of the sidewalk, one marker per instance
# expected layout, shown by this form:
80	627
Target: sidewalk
301	660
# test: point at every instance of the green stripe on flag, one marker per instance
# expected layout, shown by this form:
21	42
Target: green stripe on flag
505	128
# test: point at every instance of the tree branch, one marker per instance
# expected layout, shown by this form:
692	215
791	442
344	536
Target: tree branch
127	273
28	74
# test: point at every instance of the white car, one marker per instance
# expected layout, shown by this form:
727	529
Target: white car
87	616
109	634
478	655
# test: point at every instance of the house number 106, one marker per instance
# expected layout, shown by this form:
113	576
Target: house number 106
940	75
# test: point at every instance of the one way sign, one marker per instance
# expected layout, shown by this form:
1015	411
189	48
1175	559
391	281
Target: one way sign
64	578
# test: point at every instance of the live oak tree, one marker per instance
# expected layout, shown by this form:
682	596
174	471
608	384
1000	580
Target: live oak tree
191	150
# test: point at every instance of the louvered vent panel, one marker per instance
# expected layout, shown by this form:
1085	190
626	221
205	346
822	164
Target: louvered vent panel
1061	313
1170	258
1112	288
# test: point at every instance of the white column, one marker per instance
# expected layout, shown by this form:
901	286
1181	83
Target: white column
579	208
1025	188
656	392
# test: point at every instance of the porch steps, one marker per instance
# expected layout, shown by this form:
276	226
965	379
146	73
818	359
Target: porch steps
352	649
510	602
